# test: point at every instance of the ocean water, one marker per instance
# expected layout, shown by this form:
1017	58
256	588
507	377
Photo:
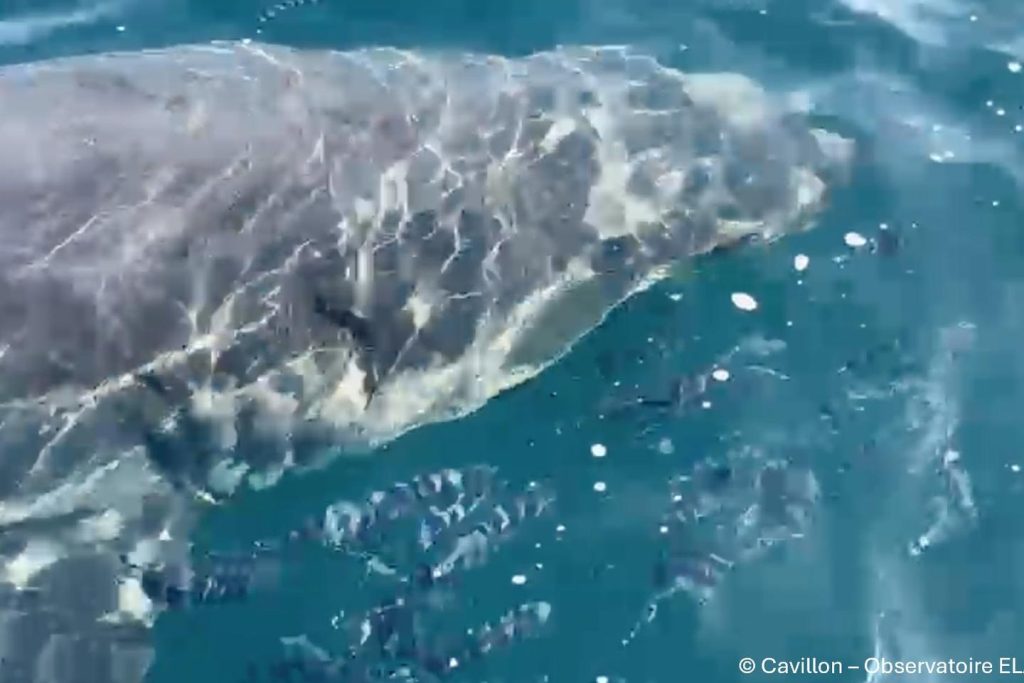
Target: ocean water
842	478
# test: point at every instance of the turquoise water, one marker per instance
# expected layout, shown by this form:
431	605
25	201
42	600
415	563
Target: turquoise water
888	374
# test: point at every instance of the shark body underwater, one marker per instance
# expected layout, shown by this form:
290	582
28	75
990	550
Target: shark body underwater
222	261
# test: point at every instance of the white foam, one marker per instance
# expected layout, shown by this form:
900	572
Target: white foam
933	414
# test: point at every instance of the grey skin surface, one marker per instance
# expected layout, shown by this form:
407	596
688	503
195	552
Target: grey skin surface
218	261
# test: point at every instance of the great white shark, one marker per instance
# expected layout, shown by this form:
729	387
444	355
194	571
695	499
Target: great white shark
221	261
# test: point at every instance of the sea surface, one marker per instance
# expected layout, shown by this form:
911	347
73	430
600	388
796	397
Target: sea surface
834	473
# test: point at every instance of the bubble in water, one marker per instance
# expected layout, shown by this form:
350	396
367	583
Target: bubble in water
854	239
744	301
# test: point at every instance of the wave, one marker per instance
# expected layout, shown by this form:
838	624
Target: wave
29	28
951	23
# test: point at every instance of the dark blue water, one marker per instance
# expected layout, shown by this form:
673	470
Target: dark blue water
885	377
